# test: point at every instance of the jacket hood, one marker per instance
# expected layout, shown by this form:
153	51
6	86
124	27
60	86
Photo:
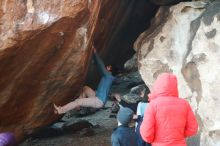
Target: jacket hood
165	85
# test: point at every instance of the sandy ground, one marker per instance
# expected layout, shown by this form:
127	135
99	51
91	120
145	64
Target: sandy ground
99	135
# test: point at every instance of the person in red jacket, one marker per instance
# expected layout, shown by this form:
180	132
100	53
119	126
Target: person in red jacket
168	120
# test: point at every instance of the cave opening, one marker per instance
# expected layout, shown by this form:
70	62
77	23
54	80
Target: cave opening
117	31
128	22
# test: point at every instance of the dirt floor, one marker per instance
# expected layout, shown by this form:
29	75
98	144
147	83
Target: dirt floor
91	130
88	130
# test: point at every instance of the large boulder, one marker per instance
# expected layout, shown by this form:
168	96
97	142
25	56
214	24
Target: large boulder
44	54
184	39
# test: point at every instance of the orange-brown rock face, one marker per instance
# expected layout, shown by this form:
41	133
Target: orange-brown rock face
44	52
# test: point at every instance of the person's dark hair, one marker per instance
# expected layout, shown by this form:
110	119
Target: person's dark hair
114	69
145	98
139	89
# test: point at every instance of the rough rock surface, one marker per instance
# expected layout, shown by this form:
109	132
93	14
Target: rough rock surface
186	42
44	53
131	64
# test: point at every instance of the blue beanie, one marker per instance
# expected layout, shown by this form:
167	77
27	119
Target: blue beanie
124	115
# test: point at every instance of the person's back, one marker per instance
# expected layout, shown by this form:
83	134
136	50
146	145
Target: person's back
123	135
171	118
168	119
106	79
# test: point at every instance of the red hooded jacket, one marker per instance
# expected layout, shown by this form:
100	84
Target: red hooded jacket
168	119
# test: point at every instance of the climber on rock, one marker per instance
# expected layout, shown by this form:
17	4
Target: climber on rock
89	97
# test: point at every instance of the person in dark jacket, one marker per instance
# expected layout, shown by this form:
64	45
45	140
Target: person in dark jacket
132	98
89	97
123	135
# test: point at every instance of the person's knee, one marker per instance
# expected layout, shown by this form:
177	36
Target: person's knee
88	92
86	88
83	94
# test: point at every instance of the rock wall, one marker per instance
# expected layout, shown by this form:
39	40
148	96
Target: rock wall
184	39
44	54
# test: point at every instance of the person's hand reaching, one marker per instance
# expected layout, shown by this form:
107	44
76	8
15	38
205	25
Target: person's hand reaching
117	96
